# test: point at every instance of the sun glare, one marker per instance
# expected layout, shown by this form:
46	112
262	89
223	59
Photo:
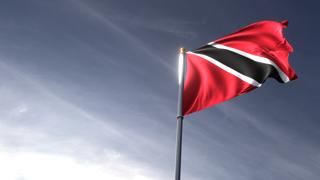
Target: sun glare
180	67
34	166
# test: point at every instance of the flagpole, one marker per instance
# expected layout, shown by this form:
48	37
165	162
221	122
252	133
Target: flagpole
182	70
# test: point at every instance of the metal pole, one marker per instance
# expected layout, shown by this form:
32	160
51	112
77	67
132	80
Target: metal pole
182	70
179	146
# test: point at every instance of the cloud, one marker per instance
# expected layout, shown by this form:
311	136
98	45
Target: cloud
39	166
43	136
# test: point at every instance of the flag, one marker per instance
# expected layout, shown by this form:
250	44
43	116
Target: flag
236	64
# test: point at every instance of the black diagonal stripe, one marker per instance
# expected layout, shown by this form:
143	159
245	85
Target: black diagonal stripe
255	70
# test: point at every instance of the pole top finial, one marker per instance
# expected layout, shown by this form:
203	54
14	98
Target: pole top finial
182	50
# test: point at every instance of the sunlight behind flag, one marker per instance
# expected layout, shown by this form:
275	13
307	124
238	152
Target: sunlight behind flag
40	166
180	65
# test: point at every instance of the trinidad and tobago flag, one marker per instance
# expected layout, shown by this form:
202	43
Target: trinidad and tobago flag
236	64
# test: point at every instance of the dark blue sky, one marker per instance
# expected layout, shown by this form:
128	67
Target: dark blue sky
88	90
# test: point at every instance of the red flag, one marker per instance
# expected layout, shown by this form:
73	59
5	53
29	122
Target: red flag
236	64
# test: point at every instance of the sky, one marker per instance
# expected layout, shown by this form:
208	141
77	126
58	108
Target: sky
88	90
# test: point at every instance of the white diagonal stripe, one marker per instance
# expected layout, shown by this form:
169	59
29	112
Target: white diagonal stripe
228	69
259	59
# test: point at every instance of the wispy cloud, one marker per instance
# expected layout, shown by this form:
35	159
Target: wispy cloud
129	38
176	27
